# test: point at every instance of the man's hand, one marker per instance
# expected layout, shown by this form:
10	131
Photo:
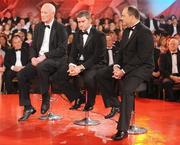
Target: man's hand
156	74
176	79
41	58
118	73
17	68
71	70
34	61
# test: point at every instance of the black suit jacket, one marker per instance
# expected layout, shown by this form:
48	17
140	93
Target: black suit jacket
147	23
165	65
136	53
10	57
93	50
57	44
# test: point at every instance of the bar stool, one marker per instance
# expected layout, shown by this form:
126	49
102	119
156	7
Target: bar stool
134	129
86	121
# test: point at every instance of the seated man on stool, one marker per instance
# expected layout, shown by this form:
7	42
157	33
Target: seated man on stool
48	53
86	57
134	65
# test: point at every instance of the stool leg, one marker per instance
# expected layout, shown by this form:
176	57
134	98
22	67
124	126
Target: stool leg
87	121
133	129
50	115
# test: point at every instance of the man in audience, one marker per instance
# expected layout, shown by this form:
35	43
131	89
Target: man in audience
170	68
15	60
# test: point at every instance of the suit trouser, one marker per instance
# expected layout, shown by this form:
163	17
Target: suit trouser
9	75
43	70
72	90
128	86
107	87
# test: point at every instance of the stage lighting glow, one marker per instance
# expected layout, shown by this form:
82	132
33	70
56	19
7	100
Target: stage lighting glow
157	6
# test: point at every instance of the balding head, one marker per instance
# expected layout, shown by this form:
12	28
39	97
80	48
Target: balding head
47	12
173	44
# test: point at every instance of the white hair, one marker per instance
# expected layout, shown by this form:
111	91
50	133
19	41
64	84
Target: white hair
49	6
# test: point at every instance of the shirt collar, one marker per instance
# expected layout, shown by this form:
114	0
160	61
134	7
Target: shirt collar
50	24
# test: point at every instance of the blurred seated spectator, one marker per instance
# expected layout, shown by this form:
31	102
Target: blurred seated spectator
15	59
170	69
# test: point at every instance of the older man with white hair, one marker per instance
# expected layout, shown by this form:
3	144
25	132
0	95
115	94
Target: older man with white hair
47	54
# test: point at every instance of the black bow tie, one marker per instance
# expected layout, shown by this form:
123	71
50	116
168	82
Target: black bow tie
47	26
174	53
84	32
131	28
17	50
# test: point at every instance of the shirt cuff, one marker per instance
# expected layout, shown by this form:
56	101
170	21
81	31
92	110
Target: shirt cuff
117	65
123	71
12	67
72	64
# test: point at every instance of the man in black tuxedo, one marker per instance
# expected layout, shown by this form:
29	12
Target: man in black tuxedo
170	68
48	53
111	56
86	57
152	24
135	65
15	60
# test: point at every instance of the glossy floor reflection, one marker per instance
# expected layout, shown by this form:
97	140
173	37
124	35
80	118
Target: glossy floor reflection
161	118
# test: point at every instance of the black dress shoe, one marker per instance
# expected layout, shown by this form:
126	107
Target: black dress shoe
26	114
77	104
88	108
45	107
114	110
120	135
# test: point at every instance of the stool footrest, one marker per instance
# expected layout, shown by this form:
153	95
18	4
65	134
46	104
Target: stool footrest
133	129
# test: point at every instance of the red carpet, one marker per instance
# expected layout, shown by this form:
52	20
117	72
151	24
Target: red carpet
161	118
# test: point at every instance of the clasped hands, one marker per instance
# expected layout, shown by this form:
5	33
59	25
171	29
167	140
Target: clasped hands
36	60
117	72
74	70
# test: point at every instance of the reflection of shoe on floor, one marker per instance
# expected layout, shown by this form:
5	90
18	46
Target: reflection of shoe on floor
27	114
113	112
87	108
77	104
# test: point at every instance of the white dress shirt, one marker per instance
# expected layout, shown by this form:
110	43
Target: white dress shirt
85	37
45	44
174	63
18	58
110	54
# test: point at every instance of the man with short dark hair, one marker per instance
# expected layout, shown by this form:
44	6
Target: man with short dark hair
135	65
86	57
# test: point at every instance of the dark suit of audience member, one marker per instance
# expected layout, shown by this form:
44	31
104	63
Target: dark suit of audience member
48	53
170	69
86	57
111	57
135	65
154	83
152	23
15	57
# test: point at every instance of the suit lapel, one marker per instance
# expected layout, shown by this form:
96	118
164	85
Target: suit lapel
178	61
53	30
128	40
41	34
89	37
